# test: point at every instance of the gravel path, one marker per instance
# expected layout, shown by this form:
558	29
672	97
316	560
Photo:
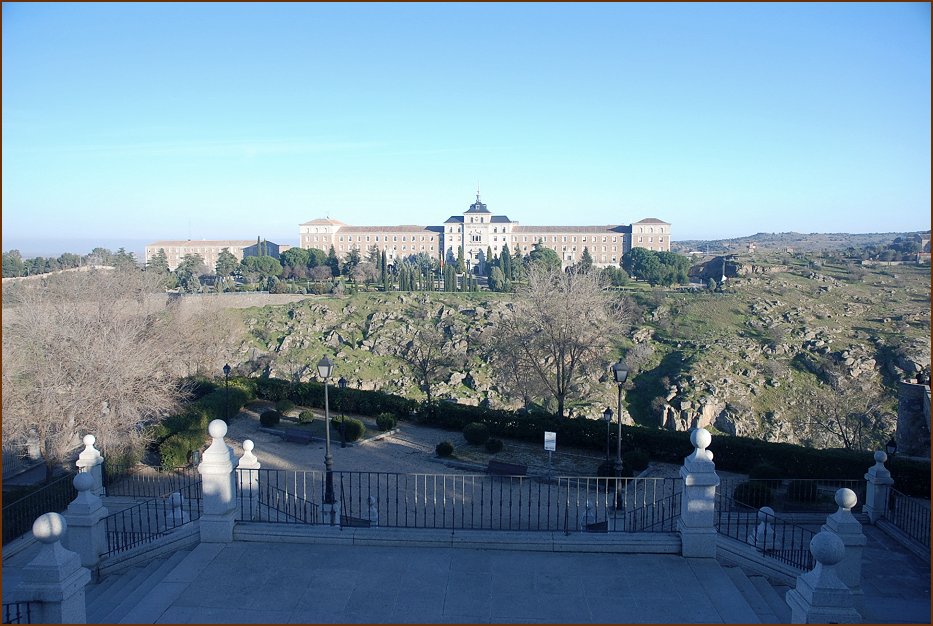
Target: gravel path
410	450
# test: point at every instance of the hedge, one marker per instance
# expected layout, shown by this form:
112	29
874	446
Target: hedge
180	434
737	454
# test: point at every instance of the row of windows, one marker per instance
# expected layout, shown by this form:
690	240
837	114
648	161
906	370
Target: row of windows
651	239
414	248
384	238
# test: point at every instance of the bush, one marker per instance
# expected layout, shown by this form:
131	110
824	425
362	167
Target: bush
765	471
636	460
270	418
476	433
802	491
385	421
444	448
353	428
753	494
284	405
493	445
306	416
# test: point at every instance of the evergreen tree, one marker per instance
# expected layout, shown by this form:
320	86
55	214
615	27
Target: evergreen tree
382	267
332	261
158	262
487	261
226	263
461	265
505	262
586	261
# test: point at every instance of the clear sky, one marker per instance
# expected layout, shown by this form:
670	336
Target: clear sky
153	121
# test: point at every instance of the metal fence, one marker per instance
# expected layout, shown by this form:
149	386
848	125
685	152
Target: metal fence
769	534
19	515
791	495
17	613
141	481
910	515
145	522
464	501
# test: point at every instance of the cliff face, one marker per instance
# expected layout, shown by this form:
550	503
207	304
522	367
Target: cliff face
754	360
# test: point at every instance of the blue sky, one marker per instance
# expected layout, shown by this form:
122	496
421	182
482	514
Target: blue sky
236	120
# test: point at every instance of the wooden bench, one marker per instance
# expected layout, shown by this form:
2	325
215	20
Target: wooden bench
502	468
354	522
298	435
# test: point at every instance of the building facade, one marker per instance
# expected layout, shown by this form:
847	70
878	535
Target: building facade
211	249
478	230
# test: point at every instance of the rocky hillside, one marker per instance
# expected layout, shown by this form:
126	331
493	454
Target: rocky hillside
755	359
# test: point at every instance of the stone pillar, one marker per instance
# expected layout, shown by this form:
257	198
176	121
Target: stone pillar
218	487
85	518
763	536
698	500
820	597
91	461
878	488
248	465
54	580
844	525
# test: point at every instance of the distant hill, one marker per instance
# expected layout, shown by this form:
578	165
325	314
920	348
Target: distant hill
800	242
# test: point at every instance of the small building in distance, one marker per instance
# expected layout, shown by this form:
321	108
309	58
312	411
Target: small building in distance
210	249
478	230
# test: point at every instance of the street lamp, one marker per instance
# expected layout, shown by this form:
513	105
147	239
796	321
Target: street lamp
607	415
227	391
620	374
325	367
891	447
342	383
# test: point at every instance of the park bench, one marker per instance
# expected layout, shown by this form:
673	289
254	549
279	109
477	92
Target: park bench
298	435
354	522
506	469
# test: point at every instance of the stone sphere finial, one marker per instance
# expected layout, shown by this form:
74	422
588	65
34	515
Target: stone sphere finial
248	445
846	498
49	528
880	457
217	429
89	440
827	548
765	514
700	438
83	481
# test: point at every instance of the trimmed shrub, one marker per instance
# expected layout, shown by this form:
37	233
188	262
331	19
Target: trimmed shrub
765	471
385	421
353	428
753	494
284	405
476	433
636	460
270	418
803	491
306	416
444	448
494	445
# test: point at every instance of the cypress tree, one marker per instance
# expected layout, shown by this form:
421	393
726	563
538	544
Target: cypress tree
461	265
505	262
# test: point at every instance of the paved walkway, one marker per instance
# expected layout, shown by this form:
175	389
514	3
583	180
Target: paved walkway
315	583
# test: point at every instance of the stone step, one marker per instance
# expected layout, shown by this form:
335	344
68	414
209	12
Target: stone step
156	571
109	598
731	605
752	596
774	596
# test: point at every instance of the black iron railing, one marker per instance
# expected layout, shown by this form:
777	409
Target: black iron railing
910	515
791	495
463	501
17	613
18	516
769	534
147	521
141	481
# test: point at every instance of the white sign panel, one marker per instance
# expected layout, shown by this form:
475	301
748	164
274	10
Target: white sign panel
550	440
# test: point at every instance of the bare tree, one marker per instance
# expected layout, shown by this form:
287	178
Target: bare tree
87	352
562	328
427	357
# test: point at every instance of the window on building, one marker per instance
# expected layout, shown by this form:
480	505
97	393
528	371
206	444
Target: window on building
394	237
639	240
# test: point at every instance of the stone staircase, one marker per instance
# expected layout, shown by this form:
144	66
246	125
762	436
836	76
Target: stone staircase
763	597
112	599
